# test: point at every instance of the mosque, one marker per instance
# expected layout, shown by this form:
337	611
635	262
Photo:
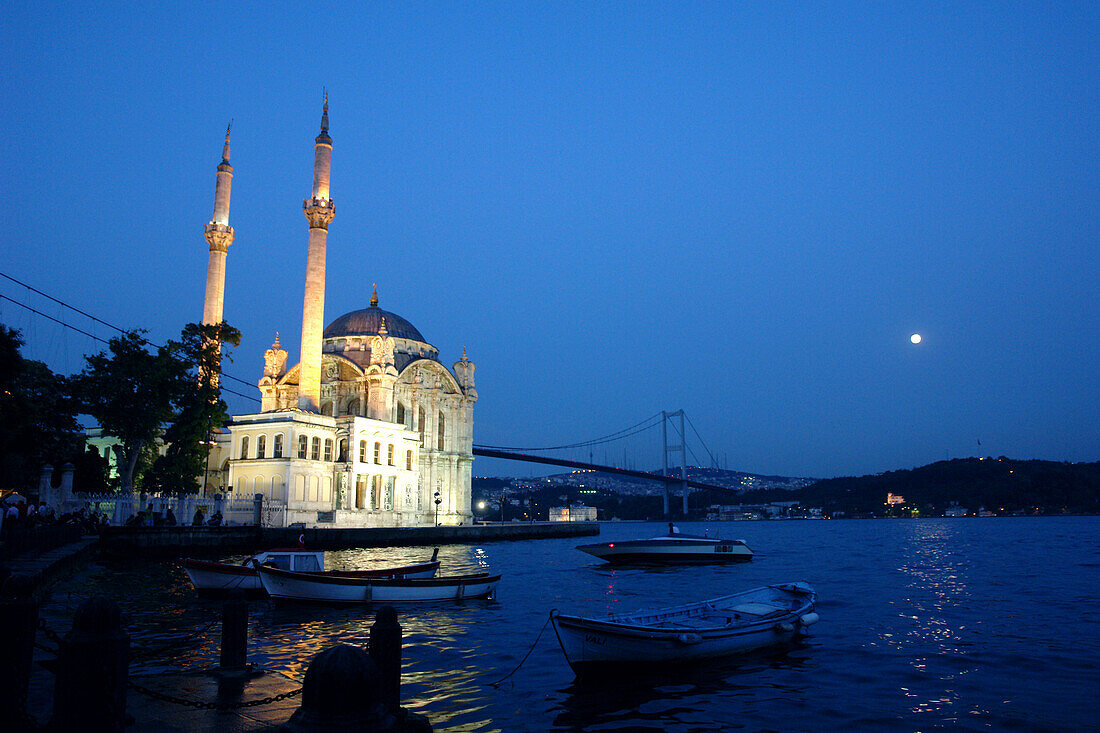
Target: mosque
369	429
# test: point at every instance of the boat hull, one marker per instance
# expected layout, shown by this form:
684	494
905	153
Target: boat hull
214	578
290	586
686	634
671	551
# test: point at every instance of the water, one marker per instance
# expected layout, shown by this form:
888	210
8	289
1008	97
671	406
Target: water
972	624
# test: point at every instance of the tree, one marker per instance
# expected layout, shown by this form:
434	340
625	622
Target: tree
37	416
200	409
131	391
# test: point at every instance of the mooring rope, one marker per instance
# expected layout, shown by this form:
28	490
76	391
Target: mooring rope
497	683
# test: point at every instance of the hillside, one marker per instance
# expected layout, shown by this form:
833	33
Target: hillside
1001	485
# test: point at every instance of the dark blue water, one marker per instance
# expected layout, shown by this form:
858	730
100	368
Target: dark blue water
972	624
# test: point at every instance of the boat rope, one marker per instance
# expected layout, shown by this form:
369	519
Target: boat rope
544	625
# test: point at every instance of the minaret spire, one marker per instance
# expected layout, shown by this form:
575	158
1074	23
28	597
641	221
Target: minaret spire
225	148
319	211
219	235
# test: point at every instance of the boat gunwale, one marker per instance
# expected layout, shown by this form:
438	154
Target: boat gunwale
445	580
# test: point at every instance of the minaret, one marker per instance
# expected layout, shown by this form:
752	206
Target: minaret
319	210
219	235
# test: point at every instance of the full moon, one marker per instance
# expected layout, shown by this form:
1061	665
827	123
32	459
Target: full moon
915	338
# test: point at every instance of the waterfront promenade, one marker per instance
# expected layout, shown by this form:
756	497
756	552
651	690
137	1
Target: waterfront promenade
188	702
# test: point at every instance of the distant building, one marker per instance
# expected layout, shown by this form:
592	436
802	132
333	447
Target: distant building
575	513
894	499
955	511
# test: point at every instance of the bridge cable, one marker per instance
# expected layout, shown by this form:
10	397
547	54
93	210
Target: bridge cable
700	437
617	435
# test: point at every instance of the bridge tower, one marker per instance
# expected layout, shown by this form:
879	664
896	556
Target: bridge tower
681	449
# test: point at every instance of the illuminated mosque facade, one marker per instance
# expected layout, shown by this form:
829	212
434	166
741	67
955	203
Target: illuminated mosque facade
369	429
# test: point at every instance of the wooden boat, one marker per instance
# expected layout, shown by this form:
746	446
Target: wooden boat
211	578
342	588
720	627
671	549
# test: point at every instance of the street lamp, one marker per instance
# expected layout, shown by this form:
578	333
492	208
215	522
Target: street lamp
438	501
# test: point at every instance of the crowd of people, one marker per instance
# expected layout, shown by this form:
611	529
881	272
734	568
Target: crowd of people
24	515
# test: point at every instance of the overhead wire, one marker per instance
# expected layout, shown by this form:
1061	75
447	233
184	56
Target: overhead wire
104	323
97	338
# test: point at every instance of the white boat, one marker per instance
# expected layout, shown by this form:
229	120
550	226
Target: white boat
341	588
720	627
217	577
671	549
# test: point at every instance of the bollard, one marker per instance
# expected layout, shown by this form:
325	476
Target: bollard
385	650
92	670
234	632
19	619
341	693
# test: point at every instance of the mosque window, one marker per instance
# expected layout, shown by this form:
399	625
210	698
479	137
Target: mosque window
277	448
342	454
258	485
244	447
362	451
440	433
378	453
400	413
303	443
328	449
315	449
389	454
408	460
261	446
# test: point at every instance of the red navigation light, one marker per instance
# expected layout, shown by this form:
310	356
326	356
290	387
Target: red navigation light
611	545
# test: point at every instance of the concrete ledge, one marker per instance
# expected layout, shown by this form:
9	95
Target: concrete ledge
200	540
51	567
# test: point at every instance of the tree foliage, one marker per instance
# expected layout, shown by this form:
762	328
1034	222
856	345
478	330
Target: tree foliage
138	392
37	416
200	410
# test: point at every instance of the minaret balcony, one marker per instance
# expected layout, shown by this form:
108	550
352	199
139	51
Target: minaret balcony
319	202
215	227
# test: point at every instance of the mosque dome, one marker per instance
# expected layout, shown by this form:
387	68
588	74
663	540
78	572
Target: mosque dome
368	321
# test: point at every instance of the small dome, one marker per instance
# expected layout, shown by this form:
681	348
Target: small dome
368	321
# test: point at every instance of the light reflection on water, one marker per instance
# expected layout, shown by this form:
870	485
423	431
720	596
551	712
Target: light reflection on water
924	624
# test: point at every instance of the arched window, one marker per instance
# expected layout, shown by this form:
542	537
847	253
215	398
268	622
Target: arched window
342	454
315	449
420	423
328	449
258	485
261	446
401	413
377	452
389	454
303	446
277	489
362	451
408	460
440	433
277	448
244	447
328	409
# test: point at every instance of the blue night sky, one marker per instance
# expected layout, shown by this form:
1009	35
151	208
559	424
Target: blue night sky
740	209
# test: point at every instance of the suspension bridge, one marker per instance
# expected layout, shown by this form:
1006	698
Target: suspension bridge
666	477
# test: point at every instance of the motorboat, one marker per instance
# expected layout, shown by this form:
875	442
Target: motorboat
720	627
211	578
675	548
289	585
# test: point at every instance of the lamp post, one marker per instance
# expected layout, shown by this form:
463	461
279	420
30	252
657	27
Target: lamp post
438	501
